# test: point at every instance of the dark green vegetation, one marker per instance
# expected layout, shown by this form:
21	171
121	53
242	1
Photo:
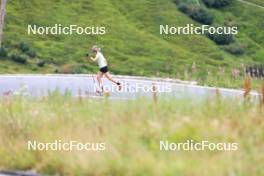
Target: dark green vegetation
196	12
217	3
132	44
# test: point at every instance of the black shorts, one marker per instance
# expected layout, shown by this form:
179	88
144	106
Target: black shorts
104	69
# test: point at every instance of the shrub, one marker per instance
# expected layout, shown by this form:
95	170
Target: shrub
201	15
209	3
217	3
16	57
31	53
56	70
3	52
235	49
196	12
177	1
41	63
183	7
221	39
24	46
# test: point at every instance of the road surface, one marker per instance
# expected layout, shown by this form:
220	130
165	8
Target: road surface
133	87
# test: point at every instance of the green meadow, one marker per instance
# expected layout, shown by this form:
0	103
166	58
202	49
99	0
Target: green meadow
132	139
132	43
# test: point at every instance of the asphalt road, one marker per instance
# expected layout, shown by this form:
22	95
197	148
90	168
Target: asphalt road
133	87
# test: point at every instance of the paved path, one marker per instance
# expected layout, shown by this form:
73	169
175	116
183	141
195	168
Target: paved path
133	87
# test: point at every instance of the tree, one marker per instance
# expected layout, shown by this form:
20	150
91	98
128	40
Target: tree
2	19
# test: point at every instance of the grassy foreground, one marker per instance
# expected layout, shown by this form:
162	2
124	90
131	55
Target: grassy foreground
132	131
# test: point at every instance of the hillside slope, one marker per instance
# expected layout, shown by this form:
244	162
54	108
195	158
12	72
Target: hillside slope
132	44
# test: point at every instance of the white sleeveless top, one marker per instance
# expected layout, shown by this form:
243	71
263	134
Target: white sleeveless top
101	60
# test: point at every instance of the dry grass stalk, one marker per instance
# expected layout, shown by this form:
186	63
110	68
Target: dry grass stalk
247	86
80	95
262	93
154	93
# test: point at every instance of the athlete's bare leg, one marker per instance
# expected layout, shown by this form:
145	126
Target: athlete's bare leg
110	78
99	79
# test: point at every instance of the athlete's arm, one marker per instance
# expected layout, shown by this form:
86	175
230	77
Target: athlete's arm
94	58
